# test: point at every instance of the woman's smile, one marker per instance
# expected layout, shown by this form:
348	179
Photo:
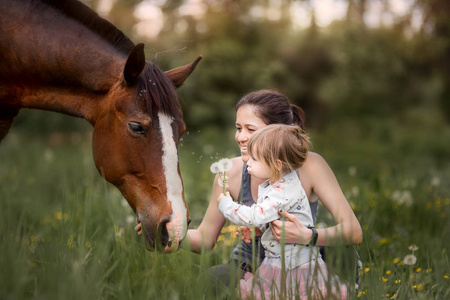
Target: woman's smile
247	122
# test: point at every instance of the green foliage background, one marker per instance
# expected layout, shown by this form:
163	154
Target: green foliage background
377	106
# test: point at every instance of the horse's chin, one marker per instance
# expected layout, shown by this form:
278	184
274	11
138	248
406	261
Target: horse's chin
169	248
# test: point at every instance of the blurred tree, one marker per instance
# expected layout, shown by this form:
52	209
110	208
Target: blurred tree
356	10
437	24
345	70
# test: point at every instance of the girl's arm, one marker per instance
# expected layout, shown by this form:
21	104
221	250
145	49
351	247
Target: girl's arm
255	215
205	236
323	183
262	212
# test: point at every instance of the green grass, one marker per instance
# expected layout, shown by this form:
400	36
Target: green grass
67	234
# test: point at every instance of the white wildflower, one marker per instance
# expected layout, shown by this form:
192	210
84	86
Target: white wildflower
410	259
48	155
131	219
413	247
402	197
352	171
221	167
226	164
435	181
216	168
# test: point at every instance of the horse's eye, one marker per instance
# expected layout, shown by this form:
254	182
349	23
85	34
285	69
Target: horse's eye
137	128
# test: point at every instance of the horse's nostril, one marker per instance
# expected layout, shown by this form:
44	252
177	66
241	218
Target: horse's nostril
164	232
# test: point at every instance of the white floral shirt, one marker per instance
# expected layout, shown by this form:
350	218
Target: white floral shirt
287	194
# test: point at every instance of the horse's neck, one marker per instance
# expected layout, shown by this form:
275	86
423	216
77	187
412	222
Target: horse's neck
53	63
66	57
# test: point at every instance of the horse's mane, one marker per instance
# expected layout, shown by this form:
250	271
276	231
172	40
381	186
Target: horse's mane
81	13
158	91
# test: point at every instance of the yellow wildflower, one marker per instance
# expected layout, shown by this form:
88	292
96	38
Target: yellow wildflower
71	243
419	287
58	216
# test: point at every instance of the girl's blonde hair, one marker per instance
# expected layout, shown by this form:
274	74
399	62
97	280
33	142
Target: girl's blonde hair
285	143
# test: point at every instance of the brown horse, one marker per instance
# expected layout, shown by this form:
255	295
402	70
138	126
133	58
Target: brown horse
59	55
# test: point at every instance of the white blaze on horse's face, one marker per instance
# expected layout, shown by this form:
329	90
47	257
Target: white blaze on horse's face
177	226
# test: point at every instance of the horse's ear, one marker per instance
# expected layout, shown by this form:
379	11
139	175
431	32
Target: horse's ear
135	65
179	75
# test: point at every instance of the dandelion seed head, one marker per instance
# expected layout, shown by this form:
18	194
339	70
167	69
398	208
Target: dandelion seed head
402	197
226	164
130	219
216	168
435	181
409	260
413	247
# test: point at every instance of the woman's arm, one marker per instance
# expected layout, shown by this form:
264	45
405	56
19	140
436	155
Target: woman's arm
322	182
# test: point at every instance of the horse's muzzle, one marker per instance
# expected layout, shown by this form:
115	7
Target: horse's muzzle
160	240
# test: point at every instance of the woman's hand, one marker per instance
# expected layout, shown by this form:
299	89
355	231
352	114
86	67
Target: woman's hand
294	231
138	227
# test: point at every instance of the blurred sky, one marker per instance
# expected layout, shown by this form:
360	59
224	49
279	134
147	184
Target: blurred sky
379	13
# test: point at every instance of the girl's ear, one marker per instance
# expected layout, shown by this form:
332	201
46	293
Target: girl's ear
279	165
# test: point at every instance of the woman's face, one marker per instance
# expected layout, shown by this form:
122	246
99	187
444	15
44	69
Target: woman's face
246	124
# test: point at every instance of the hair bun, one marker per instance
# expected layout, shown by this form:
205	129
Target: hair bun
298	116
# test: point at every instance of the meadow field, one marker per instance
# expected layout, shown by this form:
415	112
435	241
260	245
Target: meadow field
67	234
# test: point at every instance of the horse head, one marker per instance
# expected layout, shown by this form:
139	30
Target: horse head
135	147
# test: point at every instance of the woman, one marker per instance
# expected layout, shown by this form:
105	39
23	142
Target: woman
254	111
276	152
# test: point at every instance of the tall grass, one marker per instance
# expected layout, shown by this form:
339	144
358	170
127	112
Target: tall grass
67	234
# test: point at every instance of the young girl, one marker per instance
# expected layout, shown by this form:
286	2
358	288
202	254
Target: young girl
287	271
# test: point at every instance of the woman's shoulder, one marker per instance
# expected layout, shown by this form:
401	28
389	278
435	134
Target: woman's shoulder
313	160
314	165
236	169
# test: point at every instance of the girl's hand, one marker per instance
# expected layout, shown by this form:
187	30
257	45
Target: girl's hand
138	227
221	196
294	230
246	233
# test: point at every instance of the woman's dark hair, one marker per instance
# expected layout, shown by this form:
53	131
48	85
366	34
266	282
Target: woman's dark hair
274	108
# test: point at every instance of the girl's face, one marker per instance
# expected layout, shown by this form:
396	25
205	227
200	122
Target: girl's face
246	124
258	168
